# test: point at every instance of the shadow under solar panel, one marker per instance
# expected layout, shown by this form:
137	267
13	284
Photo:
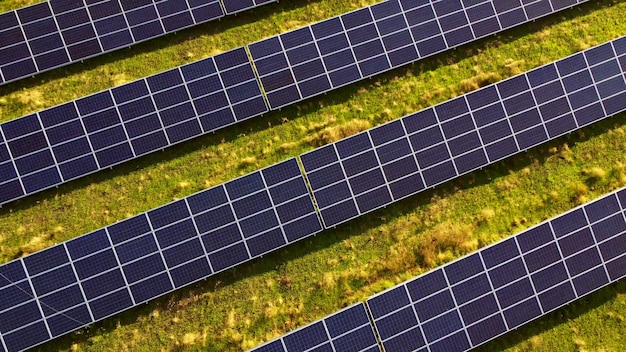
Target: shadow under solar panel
56	33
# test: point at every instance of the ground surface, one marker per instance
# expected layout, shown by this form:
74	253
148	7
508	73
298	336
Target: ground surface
263	299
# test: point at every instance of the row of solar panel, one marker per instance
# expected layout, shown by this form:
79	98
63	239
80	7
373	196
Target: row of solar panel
56	33
75	139
485	294
392	161
360	44
113	269
86	279
80	137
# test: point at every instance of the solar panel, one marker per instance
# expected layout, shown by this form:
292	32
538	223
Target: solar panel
503	286
86	135
150	114
89	278
56	33
360	44
348	330
382	165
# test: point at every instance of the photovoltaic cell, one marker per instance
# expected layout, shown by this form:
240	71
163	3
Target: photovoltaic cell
55	33
347	330
377	167
88	278
176	105
485	294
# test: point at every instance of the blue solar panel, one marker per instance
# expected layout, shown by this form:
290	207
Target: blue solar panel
55	33
112	269
485	294
80	137
377	167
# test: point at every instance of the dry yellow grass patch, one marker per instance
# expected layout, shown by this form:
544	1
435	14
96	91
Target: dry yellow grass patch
189	339
36	243
335	133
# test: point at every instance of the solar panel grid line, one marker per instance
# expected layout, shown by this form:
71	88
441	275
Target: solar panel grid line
597	247
406	138
447	145
116	268
167	267
319	53
351	185
151	95
117	261
128	27
328	335
482	147
569	279
274	207
457	308
34	296
117	106
502	264
238	222
56	164
354	57
376	23
595	86
567	97
119	118
195	225
330	83
532	93
386	186
12	161
493	289
230	104
26	41
526	276
82	291
63	40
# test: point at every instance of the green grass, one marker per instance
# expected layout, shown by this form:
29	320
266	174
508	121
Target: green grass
306	281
